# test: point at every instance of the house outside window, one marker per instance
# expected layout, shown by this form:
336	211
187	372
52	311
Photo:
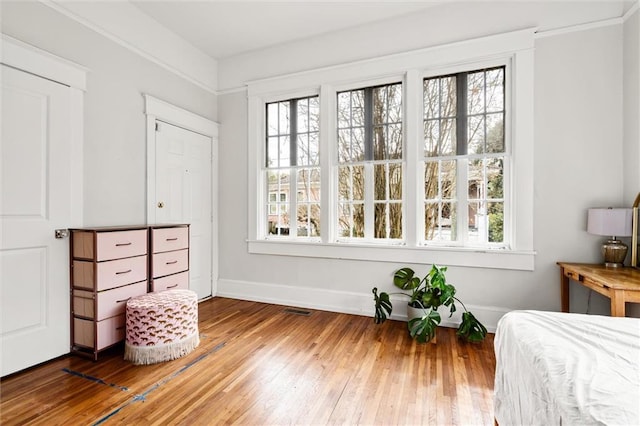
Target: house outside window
292	166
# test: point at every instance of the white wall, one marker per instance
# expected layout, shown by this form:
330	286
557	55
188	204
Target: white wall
632	107
631	78
114	134
578	164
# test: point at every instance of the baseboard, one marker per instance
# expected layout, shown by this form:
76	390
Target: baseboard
340	301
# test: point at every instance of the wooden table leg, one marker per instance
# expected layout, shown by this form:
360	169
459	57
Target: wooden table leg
617	303
564	290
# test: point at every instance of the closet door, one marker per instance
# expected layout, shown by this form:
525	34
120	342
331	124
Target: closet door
183	191
36	171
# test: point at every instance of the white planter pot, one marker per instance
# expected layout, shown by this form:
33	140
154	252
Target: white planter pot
415	312
419	313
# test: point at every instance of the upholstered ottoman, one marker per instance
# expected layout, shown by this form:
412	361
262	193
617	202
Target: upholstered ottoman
161	326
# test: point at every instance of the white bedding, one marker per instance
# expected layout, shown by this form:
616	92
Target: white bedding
567	369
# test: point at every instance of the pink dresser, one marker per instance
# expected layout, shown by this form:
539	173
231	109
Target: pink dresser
111	265
108	267
169	257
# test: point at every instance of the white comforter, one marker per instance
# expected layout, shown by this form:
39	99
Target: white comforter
567	369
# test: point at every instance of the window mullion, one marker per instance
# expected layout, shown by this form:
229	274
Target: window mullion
293	132
463	201
293	201
368	124
463	163
413	189
369	215
293	172
328	164
461	114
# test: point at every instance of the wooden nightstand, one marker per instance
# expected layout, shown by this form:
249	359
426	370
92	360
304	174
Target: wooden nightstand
620	285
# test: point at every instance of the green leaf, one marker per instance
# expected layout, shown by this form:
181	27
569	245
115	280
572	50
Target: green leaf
423	329
405	279
383	306
431	298
471	329
447	298
437	277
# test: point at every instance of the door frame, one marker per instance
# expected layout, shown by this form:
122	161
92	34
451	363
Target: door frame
25	57
159	110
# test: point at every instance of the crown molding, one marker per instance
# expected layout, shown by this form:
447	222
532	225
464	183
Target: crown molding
633	9
126	25
580	27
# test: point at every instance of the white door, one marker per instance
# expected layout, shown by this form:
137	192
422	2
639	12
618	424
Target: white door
36	199
183	195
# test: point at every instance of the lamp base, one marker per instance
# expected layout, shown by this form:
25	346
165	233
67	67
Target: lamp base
614	252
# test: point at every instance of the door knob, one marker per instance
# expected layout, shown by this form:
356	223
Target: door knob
61	233
160	204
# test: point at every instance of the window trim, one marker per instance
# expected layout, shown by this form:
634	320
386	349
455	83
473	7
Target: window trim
369	165
293	168
507	65
516	47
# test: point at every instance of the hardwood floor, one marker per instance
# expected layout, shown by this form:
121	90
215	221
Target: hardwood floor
258	364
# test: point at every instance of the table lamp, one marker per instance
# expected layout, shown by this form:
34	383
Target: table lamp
612	223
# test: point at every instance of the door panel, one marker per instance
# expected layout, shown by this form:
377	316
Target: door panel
27	310
183	187
36	199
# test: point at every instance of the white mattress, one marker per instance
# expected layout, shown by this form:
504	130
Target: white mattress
567	369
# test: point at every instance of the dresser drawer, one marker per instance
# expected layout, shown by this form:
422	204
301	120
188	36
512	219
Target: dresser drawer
110	274
119	244
116	273
168	239
113	302
83	304
171	282
170	262
110	331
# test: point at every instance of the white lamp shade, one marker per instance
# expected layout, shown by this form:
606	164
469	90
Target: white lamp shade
610	222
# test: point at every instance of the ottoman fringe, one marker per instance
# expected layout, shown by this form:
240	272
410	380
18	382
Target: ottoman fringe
160	353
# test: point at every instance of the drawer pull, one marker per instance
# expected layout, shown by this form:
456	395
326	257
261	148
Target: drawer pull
123	272
173	286
123	244
172	262
172	239
123	300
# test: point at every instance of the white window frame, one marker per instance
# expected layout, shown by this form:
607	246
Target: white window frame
514	49
290	201
368	172
462	168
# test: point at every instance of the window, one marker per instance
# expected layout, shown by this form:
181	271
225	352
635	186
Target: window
423	157
369	172
292	166
464	158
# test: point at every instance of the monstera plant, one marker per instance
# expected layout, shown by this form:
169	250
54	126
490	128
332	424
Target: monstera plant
426	295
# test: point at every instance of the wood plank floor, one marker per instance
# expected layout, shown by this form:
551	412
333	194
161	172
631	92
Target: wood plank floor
258	364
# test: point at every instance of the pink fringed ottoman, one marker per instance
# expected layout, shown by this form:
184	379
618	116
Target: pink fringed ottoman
161	326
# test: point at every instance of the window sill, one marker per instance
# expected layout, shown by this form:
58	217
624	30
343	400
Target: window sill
474	258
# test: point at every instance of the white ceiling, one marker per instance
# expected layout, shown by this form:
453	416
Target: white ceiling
227	28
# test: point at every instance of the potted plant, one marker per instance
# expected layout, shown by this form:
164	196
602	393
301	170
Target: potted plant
426	295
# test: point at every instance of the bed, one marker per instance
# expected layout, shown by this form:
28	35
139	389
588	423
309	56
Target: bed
567	369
